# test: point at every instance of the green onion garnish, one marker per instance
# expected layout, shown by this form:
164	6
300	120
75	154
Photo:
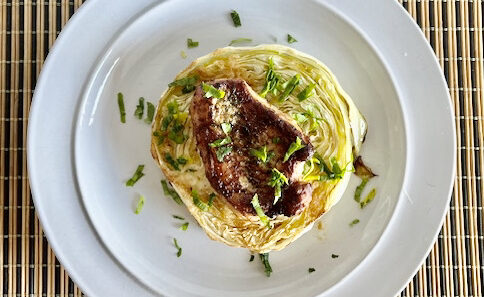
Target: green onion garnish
171	192
136	176
368	198
334	256
199	203
140	108
140	204
267	266
188	83
239	41
278	179
184	227
289	87
251	258
226	127
159	136
222	152
150	112
354	222
306	93
295	146
359	190
211	197
178	217
211	91
172	162
276	140
179	252
272	80
122	111
235	18
220	142
183	54
191	43
182	161
311	270
335	173
290	39
260	153
258	209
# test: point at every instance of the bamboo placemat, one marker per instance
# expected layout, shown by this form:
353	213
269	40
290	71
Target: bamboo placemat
454	267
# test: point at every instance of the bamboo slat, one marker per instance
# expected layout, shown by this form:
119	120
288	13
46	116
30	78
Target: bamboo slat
454	29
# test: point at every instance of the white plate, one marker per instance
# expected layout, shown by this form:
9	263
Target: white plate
80	154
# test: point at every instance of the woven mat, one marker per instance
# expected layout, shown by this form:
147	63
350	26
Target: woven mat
454	267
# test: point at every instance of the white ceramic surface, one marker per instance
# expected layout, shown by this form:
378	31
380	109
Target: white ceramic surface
87	212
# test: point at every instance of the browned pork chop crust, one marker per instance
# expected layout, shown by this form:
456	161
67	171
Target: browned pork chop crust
255	123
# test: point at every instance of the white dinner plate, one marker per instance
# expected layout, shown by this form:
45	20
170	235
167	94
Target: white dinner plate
80	155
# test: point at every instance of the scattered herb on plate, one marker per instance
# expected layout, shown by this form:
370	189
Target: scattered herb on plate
267	266
136	176
290	39
235	18
122	111
191	43
171	192
179	252
140	204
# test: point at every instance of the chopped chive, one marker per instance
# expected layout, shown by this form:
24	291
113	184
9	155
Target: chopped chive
311	270
368	198
183	54
188	83
354	222
295	146
179	252
290	39
122	111
239	41
136	176
178	217
211	197
226	127
222	152
251	258
191	43
184	227
220	142
272	80
260	153
290	86
258	209
334	256
182	161
306	93
235	18
267	266
171	192
150	112
277	180
140	108
160	137
211	91
172	162
199	203
276	140
359	189
139	206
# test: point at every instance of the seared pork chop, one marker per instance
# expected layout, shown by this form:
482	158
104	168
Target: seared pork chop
231	166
